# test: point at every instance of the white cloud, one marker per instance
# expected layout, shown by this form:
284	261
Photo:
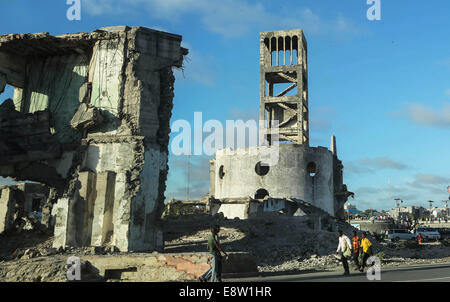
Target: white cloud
177	185
422	115
321	117
100	7
370	165
230	18
197	67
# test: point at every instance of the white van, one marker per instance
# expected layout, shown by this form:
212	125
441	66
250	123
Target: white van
398	234
428	234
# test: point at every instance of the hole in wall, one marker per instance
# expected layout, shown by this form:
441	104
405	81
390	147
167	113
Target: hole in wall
36	205
266	43
261	193
281	58
311	168
278	88
262	168
8	93
288	57
221	172
294	57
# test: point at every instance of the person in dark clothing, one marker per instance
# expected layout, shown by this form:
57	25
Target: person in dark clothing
356	243
214	274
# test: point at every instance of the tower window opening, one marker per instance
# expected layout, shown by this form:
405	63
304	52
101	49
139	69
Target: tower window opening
221	172
262	168
311	168
261	193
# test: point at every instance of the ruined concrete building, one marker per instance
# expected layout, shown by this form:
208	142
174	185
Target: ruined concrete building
314	175
90	119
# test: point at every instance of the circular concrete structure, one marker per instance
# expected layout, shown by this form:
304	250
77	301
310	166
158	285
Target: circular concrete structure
301	172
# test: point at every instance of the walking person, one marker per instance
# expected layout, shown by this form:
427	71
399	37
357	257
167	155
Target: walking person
356	244
345	248
214	274
367	250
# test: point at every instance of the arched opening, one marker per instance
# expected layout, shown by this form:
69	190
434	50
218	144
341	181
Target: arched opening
288	55
311	168
262	168
221	172
266	44
294	50
261	193
273	51
36	204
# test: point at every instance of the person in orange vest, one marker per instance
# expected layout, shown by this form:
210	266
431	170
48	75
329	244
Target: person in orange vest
356	243
419	237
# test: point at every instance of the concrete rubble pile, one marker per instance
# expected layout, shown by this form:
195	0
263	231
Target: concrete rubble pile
276	241
90	120
19	208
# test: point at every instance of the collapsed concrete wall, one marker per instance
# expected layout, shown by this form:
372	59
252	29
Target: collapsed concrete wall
105	98
7	207
20	202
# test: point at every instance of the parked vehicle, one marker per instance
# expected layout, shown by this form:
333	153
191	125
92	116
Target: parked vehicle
428	233
400	234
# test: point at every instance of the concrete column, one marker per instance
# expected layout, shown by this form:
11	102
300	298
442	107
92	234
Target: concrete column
212	177
87	196
65	227
333	146
6	209
102	226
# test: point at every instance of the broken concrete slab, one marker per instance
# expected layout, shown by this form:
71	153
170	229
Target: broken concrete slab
86	117
7	208
102	225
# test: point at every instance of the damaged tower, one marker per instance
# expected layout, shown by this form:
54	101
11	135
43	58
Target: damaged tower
309	174
90	119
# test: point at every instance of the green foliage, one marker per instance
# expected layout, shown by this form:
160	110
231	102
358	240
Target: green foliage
408	244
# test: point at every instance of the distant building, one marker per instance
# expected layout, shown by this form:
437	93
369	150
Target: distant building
351	209
403	212
440	212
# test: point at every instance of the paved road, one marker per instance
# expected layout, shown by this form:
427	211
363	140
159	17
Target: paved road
423	273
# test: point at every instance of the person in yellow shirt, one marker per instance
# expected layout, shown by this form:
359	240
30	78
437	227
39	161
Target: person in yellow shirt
367	250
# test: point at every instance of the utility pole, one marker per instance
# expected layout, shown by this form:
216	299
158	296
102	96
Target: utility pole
431	204
188	175
397	206
446	207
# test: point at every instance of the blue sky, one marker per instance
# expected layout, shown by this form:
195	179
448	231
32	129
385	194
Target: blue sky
382	87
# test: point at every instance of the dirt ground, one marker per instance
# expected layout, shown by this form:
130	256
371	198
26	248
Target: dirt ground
276	242
280	243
